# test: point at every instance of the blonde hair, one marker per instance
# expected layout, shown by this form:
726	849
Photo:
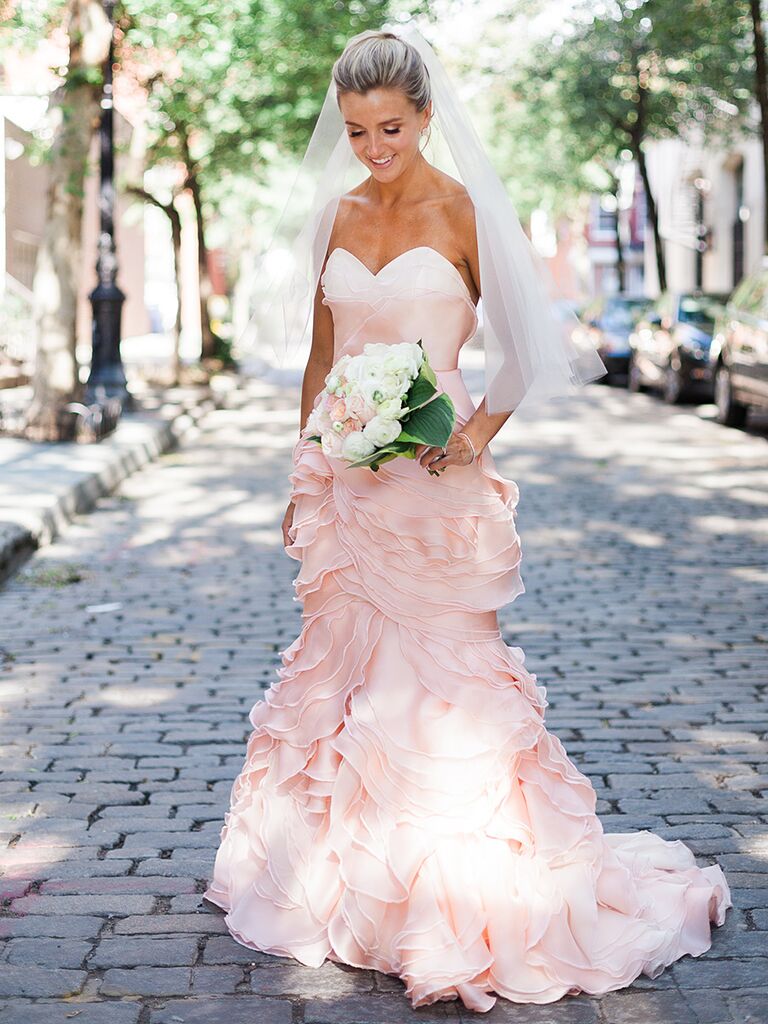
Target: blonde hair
382	60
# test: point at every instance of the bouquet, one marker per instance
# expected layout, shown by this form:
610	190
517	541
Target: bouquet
380	404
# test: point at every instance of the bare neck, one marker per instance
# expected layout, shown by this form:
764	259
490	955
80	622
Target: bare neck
416	181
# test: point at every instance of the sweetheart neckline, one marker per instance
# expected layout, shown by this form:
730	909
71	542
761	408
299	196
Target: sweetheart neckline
416	248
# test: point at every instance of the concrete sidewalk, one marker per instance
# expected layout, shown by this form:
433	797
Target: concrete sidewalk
43	485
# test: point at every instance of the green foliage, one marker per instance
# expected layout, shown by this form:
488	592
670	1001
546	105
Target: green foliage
232	84
24	24
421	391
431	423
83	75
616	73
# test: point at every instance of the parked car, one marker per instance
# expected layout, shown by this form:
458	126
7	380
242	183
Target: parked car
739	352
609	320
670	346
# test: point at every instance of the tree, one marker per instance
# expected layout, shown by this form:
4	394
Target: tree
225	83
623	72
74	112
169	208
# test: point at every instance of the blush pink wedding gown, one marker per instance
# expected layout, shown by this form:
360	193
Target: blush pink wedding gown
402	806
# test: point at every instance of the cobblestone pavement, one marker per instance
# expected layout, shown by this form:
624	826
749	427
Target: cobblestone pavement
133	648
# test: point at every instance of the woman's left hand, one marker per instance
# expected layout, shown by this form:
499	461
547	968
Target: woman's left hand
457	452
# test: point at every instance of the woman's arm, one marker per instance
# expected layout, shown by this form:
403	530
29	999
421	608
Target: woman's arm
481	426
318	364
320	357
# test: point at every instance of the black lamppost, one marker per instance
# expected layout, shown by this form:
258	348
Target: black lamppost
703	233
107	377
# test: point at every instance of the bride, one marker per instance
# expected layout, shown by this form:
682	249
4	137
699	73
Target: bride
402	806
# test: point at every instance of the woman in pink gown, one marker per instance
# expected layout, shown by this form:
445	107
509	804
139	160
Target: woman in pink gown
402	806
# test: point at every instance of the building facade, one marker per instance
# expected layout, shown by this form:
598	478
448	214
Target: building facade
711	202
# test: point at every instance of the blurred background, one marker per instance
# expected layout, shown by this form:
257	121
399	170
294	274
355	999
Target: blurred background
148	147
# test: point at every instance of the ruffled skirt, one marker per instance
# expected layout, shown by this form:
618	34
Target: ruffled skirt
402	806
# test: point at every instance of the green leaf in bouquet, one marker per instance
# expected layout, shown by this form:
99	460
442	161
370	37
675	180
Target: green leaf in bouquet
430	424
420	392
384	458
314	437
426	372
391	451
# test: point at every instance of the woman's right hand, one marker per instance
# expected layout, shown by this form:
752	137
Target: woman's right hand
287	523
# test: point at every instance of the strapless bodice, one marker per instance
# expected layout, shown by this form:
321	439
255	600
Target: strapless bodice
418	295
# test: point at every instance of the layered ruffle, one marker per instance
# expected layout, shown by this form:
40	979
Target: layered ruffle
402	806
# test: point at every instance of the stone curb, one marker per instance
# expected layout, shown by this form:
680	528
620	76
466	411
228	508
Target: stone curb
32	514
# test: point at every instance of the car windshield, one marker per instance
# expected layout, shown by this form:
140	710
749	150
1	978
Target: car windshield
700	310
622	315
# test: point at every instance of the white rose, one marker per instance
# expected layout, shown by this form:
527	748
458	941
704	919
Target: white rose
415	352
381	431
414	360
318	421
372	392
373	369
332	445
355	370
393	361
390	409
356	446
394	385
404	358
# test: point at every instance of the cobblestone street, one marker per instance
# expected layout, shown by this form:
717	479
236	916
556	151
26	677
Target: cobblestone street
133	648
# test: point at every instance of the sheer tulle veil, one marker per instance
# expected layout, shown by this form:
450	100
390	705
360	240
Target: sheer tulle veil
529	351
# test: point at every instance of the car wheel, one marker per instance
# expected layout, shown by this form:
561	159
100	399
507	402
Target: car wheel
634	379
673	389
729	412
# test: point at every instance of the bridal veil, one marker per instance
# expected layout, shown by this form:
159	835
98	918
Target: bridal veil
530	353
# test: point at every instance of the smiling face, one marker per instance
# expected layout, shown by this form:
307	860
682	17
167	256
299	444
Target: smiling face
383	127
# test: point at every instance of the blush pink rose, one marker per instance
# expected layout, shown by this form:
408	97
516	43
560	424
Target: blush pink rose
349	426
338	410
357	406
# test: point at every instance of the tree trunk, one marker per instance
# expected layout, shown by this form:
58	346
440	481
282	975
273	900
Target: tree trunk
620	265
59	264
761	91
208	347
636	133
653	215
206	286
169	209
173	213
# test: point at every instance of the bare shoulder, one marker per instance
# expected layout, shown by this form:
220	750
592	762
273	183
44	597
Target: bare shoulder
463	215
458	209
457	215
347	207
355	198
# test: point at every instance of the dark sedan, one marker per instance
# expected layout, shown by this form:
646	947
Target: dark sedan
670	346
609	320
739	353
